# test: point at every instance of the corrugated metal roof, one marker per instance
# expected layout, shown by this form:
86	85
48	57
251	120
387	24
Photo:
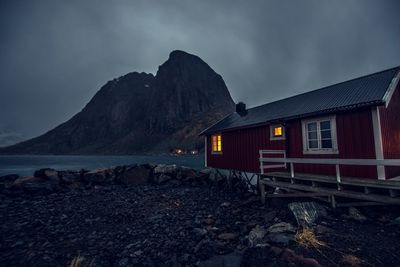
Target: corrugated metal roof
360	92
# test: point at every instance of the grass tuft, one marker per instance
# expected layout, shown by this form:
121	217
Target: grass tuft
79	261
306	237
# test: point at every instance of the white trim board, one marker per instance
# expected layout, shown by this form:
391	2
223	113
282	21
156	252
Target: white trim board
392	87
376	124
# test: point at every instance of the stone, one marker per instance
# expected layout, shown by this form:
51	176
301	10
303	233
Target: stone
281	228
185	173
256	235
163	178
34	185
69	177
10	178
46	173
355	214
280	238
209	221
396	221
227	236
200	231
98	176
135	176
307	213
292	259
233	259
165	169
225	204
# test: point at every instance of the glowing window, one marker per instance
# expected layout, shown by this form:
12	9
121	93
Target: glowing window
277	132
216	143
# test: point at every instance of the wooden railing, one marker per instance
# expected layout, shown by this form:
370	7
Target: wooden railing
271	152
336	162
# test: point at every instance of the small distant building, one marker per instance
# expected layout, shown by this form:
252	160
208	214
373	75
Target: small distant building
356	119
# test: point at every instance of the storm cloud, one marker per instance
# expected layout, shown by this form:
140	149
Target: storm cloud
54	55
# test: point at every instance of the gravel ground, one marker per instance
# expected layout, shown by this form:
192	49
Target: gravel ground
155	225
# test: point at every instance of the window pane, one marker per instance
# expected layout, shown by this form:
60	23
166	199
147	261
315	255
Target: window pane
326	134
312	126
312	144
219	145
278	131
325	125
312	135
326	143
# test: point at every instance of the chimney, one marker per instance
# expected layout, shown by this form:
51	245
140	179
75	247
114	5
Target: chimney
241	109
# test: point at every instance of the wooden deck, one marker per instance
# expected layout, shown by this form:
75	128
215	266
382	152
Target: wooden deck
369	191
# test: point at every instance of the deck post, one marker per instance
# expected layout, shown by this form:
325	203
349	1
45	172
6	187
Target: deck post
333	201
261	162
291	169
262	190
338	178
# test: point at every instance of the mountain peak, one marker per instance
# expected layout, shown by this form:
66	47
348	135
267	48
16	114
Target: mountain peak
180	53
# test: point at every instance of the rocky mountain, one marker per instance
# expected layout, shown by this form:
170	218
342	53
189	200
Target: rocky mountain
140	112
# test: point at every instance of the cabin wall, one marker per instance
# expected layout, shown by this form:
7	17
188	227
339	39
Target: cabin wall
355	141
240	148
390	128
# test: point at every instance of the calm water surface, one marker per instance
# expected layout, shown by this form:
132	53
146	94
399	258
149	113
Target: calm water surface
27	164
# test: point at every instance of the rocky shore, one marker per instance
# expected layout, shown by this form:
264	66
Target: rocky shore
166	215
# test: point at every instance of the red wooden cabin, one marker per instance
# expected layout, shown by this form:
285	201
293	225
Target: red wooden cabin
356	119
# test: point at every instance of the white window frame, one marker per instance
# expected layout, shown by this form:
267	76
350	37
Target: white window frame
320	150
271	132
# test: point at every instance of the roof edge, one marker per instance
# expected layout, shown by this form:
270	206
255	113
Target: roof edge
205	130
300	116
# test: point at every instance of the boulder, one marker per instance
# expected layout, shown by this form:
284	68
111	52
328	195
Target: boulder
355	214
256	235
137	175
233	259
34	185
281	227
307	213
162	178
99	177
227	236
166	169
47	173
283	239
185	173
69	177
7	179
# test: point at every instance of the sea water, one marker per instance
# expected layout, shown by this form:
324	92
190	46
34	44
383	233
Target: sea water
27	164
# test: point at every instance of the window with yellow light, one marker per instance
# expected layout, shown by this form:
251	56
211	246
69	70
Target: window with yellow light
277	132
216	146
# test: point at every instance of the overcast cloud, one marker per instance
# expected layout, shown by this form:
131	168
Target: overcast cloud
54	55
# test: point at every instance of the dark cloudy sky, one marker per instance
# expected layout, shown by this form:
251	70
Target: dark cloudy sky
54	55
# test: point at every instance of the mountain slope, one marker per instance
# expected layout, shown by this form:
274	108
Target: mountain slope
139	112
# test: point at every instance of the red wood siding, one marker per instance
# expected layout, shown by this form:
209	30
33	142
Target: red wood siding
390	128
240	148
